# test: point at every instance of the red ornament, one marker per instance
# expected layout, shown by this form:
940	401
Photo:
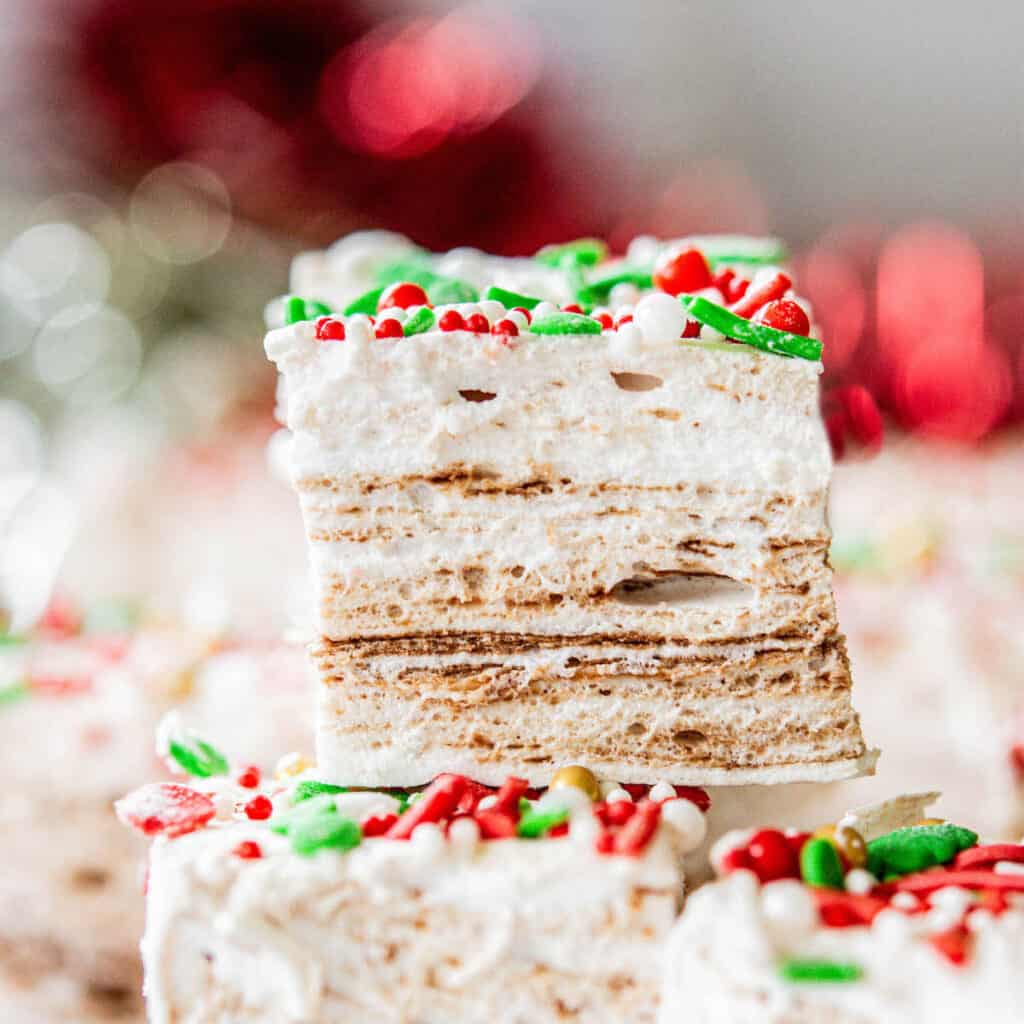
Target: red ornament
686	271
477	323
166	808
249	777
506	327
259	808
774	288
452	321
329	329
785	315
403	294
389	327
771	856
248	850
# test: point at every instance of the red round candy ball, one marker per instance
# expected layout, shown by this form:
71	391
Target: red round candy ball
389	327
249	777
573	307
686	271
506	327
248	850
403	295
605	320
452	321
329	329
477	323
784	315
259	808
771	856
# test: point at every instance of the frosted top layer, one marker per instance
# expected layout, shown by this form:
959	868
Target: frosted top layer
617	406
888	917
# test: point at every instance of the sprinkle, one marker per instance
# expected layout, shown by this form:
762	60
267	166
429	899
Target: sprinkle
920	846
329	329
847	909
388	327
774	288
309	788
538	823
378	825
477	323
983	856
420	321
767	339
928	881
618	796
820	865
632	840
600	289
507	799
365	303
166	808
583	252
188	750
510	299
695	795
452	321
506	328
803	971
771	856
953	944
248	850
259	808
450	290
403	295
565	323
495	824
249	777
324	831
438	801
297	309
680	272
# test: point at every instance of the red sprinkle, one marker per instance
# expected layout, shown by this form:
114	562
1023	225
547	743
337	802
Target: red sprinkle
496	824
771	857
772	289
687	271
403	294
618	812
524	311
992	901
736	859
573	307
691	330
475	792
952	944
248	850
329	329
926	882
259	808
626	318
846	909
506	327
634	836
637	790
378	825
605	320
249	777
558	831
165	807
508	797
452	321
439	800
695	795
784	315
983	856
605	842
389	327
477	323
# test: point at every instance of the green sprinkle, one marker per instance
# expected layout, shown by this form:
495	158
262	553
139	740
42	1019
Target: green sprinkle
449	291
415	269
915	848
422	320
297	309
565	323
12	693
309	788
538	823
324	832
820	865
510	299
741	249
820	971
767	339
583	252
598	290
366	303
198	758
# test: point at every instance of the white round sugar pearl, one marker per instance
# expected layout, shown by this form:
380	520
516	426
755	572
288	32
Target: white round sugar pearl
661	317
710	334
464	834
543	309
619	795
789	906
564	798
662	790
492	309
467	309
519	318
860	881
687	820
428	840
624	294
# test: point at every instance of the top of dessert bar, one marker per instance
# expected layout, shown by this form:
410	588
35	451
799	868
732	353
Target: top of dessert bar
718	290
293	811
879	869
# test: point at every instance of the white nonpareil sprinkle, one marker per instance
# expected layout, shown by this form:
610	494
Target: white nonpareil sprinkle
543	309
619	795
788	905
662	790
464	834
689	823
492	309
661	317
904	901
860	882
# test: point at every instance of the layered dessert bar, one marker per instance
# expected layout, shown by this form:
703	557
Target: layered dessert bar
79	699
542	534
885	918
293	900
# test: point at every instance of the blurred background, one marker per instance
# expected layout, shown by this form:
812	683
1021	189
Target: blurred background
163	163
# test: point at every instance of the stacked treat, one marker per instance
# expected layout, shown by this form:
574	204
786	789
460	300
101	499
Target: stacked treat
562	512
